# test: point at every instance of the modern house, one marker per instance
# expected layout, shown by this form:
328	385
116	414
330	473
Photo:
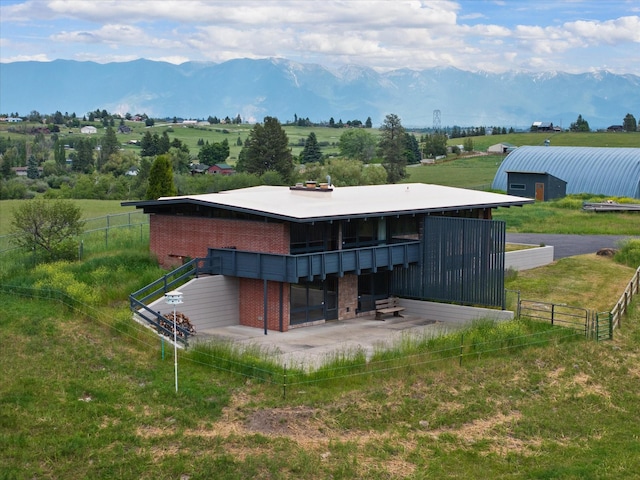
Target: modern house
300	255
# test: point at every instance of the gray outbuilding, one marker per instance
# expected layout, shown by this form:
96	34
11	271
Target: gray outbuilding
539	185
596	170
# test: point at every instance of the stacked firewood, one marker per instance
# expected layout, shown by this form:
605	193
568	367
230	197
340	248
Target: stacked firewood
182	321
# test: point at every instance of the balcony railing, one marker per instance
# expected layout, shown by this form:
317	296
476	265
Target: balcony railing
292	268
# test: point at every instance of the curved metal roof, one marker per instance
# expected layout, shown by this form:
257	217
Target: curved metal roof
597	170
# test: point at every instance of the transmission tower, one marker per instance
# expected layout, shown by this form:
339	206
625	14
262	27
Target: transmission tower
436	121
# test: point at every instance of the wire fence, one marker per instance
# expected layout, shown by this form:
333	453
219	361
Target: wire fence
459	348
120	230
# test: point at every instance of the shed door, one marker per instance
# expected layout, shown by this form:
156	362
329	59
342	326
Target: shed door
540	192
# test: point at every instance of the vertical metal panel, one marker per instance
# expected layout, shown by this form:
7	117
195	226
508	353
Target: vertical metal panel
462	262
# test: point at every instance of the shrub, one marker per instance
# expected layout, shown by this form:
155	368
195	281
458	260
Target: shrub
629	254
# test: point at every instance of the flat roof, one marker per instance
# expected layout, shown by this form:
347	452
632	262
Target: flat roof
344	202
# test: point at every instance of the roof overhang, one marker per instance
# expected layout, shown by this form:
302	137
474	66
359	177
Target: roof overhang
342	203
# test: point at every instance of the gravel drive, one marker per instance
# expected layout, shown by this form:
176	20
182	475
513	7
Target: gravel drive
569	245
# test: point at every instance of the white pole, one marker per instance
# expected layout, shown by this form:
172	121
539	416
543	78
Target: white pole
175	346
174	298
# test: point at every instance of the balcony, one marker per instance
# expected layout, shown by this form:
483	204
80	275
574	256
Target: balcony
293	268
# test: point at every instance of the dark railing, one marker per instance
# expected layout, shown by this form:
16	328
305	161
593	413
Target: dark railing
139	300
292	268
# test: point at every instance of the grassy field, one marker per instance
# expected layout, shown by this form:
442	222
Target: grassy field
90	396
464	172
89	208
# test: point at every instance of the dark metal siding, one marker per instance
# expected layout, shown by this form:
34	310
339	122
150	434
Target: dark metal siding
462	262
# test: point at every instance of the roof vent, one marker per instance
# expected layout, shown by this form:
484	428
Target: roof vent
312	186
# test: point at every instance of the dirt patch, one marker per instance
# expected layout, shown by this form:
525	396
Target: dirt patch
296	422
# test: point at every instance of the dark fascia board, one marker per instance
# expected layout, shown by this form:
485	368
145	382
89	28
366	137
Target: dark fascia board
177	201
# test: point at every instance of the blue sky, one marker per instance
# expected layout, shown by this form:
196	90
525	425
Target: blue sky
479	35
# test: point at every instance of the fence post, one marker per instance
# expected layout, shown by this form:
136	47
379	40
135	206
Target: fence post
284	381
611	326
461	348
553	306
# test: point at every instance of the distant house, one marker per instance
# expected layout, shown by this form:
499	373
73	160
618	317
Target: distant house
124	129
132	172
14	119
501	148
615	128
544	127
221	169
89	129
198	168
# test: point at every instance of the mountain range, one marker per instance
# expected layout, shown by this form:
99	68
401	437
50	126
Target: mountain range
283	89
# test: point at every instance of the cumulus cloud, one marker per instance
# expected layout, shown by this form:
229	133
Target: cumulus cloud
381	34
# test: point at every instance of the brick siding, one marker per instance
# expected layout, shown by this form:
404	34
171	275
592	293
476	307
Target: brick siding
175	237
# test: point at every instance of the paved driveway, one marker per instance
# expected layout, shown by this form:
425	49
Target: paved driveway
569	245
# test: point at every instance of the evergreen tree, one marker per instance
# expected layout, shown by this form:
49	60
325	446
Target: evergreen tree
32	167
147	145
468	144
59	155
580	125
392	148
83	158
108	146
311	152
267	148
5	167
161	179
163	144
411	148
368	123
629	123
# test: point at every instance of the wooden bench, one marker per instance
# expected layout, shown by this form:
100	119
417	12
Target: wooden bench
388	305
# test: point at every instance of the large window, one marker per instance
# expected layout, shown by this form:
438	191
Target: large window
363	232
312	301
316	237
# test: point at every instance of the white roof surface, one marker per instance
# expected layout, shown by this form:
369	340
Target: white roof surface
352	201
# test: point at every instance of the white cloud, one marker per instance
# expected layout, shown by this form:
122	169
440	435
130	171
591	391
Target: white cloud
381	34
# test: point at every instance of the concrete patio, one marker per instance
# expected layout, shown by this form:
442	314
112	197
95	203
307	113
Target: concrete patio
311	346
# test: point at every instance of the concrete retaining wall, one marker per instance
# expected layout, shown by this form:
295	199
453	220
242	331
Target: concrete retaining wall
209	302
528	258
458	315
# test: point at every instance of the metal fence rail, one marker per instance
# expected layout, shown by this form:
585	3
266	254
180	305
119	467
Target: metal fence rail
576	318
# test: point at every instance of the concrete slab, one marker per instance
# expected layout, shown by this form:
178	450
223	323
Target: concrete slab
310	347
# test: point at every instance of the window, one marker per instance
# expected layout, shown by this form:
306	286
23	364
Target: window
517	186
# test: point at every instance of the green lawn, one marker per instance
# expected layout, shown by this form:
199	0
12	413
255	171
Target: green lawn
87	394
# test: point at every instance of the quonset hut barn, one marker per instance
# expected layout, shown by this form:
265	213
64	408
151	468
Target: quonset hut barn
596	170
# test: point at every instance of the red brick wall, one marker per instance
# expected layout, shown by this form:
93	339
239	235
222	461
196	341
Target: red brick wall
347	297
173	237
252	304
